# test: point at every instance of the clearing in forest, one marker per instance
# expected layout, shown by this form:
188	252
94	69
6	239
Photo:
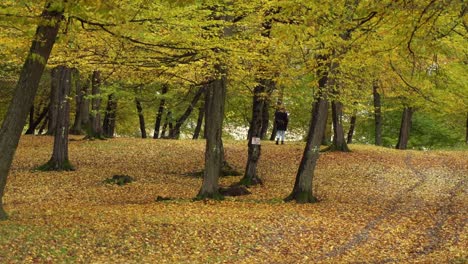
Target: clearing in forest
377	206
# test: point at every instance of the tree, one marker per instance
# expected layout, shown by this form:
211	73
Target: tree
95	130
160	112
59	160
108	125
26	88
405	128
377	114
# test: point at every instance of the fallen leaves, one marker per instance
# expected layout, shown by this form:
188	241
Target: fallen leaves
377	205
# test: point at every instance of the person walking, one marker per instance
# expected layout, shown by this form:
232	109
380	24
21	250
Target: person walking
281	121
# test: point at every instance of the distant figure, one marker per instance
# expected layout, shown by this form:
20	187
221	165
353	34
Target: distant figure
281	121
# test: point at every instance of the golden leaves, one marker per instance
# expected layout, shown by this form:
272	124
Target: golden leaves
376	205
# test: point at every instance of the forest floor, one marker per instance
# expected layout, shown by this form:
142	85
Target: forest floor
377	205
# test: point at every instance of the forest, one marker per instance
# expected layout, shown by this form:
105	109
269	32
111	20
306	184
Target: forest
161	106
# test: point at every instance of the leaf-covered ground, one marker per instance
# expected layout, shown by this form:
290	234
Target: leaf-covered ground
377	206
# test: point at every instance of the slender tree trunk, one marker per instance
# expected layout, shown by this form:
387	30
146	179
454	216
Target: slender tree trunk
160	113
405	128
377	114
302	191
80	101
32	127
175	132
26	89
254	148
109	117
59	160
141	118
201	111
351	129
167	123
214	152
95	130
53	111
339	143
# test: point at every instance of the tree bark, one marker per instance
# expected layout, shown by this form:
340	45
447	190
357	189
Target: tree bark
167	123
95	115
339	143
302	190
80	101
141	118
405	128
26	89
53	111
215	96
201	111
175	132
351	129
108	126
160	113
377	114
254	150
59	160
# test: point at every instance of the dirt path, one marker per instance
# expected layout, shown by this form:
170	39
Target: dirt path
363	235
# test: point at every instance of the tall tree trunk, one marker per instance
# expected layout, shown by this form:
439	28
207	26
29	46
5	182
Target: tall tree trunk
160	113
405	128
32	127
80	101
141	118
214	152
53	111
167	123
108	126
175	132
254	147
26	89
377	114
201	111
95	115
339	143
59	160
302	191
351	129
